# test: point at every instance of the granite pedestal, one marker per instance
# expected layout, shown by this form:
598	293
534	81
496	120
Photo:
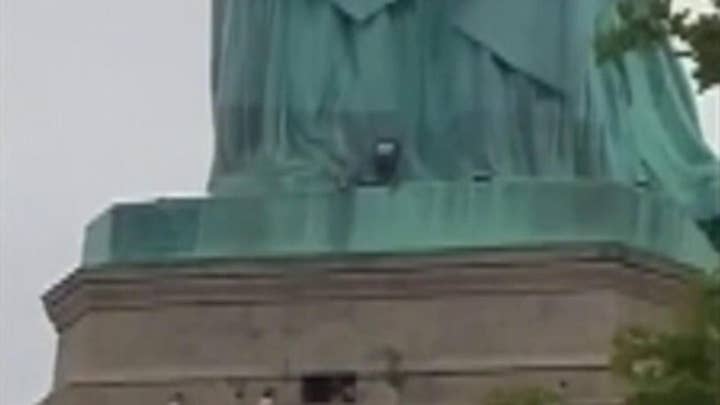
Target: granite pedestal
437	329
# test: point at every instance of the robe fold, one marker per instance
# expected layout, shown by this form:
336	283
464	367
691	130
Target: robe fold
303	89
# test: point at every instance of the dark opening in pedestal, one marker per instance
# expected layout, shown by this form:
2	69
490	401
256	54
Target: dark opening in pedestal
329	388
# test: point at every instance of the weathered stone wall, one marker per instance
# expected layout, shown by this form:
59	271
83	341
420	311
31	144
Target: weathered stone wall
417	330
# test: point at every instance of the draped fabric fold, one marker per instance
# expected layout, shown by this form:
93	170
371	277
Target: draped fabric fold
303	89
362	10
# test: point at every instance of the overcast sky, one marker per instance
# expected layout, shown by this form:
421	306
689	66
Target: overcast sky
102	101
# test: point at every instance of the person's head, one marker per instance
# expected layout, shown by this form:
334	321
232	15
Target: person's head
269	393
348	394
177	399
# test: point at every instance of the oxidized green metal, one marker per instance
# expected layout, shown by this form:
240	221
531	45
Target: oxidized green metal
510	135
304	88
415	218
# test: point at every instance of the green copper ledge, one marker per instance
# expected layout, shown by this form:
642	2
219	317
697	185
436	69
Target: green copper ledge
419	217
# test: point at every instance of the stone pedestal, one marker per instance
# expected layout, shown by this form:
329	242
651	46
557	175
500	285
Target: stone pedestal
412	329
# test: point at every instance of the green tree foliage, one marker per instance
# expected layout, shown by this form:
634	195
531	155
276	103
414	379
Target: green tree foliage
523	396
648	22
675	368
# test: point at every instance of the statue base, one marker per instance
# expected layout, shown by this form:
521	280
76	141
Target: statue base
425	293
417	329
413	217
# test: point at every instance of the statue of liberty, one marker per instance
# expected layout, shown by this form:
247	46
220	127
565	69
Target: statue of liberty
304	90
395	126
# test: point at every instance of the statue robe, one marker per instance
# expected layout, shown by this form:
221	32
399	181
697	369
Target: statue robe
302	89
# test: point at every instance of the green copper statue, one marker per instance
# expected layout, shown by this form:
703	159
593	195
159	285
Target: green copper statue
389	127
304	90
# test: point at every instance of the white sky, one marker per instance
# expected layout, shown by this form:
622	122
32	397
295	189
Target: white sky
101	101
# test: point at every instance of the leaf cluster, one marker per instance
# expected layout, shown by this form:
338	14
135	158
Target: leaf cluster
679	367
647	23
